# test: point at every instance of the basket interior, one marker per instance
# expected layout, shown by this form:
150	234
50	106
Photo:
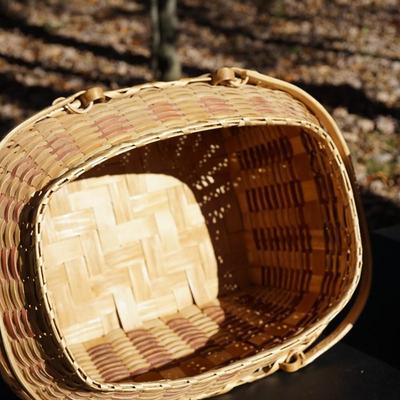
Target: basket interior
190	253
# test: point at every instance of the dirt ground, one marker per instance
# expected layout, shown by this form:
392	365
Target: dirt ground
345	53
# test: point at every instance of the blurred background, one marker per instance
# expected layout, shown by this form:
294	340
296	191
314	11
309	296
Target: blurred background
345	53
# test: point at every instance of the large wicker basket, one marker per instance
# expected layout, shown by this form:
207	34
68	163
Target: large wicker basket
175	240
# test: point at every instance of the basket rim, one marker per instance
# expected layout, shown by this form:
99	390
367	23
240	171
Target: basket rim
69	176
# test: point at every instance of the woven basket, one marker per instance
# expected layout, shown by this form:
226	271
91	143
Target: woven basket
175	240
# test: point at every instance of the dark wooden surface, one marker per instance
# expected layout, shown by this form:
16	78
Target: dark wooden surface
340	374
377	331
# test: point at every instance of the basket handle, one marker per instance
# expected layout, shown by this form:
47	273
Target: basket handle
301	359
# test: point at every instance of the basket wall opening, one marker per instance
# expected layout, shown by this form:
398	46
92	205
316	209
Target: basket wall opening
190	253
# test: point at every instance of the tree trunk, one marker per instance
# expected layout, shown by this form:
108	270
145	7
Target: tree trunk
165	62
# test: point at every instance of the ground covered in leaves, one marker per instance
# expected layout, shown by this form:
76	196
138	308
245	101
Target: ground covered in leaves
345	53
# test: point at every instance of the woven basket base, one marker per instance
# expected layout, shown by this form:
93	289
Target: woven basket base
195	340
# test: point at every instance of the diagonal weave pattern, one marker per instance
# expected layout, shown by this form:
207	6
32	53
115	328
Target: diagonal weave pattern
124	249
